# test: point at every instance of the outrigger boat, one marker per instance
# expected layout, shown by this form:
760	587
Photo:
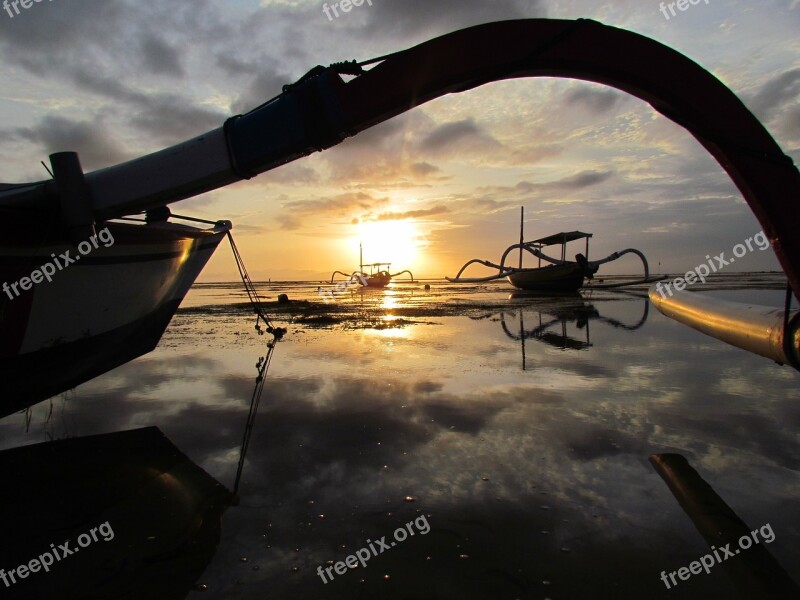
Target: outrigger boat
156	262
560	275
378	277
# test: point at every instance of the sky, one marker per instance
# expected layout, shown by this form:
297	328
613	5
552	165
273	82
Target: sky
429	189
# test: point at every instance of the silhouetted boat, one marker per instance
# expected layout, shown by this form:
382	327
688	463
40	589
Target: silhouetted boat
560	275
377	277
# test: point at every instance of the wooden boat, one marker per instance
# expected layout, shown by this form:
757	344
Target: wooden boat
108	307
552	278
378	277
560	275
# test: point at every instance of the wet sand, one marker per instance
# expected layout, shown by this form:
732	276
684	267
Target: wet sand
521	427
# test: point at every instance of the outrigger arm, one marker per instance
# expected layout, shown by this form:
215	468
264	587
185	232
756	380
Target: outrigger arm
360	276
322	109
590	266
393	275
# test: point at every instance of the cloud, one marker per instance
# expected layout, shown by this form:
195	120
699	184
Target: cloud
423	169
87	138
597	101
167	117
412	214
423	19
582	180
295	214
263	87
458	136
775	93
161	58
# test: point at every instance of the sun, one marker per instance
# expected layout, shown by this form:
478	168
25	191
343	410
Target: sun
396	242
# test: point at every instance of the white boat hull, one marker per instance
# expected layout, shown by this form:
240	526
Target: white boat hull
105	309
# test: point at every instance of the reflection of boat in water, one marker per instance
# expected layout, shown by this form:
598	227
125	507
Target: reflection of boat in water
160	515
145	518
560	275
378	276
552	320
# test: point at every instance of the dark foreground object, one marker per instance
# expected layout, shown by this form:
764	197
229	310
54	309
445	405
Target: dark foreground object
156	517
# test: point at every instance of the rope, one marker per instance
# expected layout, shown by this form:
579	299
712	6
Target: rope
252	294
263	362
255	400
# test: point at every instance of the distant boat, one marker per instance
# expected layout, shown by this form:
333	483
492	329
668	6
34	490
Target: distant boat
561	275
378	277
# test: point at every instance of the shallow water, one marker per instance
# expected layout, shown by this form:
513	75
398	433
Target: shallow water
520	427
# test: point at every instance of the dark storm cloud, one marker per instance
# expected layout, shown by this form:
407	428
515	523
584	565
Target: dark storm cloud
165	116
171	119
265	85
776	93
88	138
110	50
583	180
792	123
579	181
455	134
161	58
419	18
597	101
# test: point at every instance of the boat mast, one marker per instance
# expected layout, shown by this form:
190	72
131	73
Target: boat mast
360	258
521	236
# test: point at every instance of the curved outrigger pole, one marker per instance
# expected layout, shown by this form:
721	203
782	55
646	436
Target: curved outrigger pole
560	274
590	267
321	109
352	278
363	278
410	274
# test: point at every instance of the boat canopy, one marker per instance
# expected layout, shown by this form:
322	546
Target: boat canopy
561	238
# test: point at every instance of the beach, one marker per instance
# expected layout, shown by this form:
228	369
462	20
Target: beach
519	426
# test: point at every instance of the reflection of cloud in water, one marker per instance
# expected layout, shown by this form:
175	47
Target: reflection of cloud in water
354	423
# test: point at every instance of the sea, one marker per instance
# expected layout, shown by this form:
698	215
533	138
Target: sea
499	445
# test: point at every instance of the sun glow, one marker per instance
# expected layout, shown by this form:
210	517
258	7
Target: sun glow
397	242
